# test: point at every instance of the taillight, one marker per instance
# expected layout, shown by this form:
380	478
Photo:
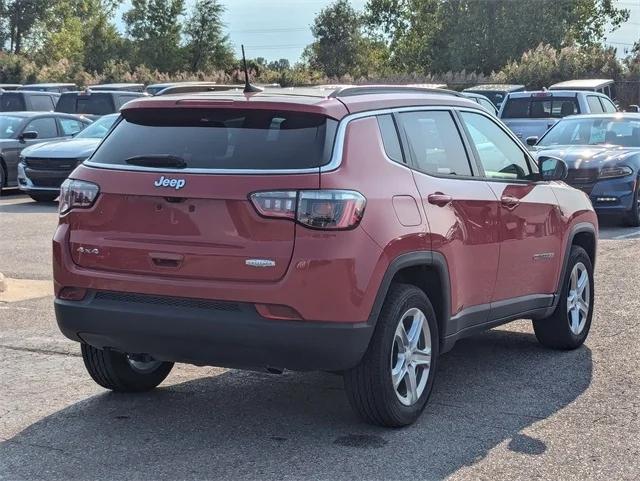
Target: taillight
77	194
281	204
317	209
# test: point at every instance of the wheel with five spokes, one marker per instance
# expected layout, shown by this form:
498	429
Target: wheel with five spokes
568	326
392	383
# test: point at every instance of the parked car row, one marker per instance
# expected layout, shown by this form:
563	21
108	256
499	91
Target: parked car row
19	130
45	166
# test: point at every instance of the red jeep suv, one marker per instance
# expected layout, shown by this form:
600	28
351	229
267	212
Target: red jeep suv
362	230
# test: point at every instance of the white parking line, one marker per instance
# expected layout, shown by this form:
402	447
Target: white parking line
635	233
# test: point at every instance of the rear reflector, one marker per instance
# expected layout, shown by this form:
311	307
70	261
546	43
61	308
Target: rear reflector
316	209
278	312
72	293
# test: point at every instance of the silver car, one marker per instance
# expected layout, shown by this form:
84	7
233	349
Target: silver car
531	114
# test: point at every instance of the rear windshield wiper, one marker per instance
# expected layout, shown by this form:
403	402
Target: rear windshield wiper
157	161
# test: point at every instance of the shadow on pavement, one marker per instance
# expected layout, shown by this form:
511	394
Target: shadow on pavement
242	425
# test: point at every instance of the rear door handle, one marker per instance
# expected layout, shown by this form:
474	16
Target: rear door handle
509	202
439	199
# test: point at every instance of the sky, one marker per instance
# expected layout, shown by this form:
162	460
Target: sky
276	29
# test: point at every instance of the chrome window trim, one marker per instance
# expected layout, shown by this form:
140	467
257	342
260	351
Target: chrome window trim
333	164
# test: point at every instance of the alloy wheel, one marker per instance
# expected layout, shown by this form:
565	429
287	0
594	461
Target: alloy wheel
143	366
411	356
578	298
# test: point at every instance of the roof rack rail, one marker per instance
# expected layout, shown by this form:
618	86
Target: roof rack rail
353	90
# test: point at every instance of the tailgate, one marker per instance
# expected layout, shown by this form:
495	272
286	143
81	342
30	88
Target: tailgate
207	230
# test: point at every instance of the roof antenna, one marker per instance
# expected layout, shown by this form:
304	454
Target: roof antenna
248	88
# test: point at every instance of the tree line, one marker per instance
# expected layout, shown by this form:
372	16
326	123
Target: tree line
534	42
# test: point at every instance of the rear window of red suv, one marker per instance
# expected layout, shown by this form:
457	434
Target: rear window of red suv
222	138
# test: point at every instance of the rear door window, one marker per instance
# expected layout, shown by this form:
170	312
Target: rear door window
608	106
595	107
71	126
221	138
435	144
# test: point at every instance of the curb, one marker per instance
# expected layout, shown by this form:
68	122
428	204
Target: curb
3	283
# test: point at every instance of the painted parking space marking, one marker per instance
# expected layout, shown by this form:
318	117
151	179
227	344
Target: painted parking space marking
635	233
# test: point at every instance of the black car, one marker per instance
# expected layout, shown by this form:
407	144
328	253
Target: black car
22	129
94	104
20	101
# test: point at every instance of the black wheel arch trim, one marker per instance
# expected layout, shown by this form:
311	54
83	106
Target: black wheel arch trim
575	230
412	259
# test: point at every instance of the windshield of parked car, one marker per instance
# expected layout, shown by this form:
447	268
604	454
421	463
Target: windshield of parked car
9	126
594	131
98	129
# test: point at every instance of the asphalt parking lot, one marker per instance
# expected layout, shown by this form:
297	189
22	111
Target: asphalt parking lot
503	407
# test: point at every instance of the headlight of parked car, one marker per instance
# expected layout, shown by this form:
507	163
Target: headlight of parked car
615	171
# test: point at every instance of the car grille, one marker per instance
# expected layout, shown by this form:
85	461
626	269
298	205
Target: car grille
583	179
167	301
40	163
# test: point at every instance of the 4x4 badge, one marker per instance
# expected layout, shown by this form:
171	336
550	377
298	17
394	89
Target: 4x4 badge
167	182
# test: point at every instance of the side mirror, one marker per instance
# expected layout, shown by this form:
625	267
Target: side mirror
28	135
633	108
531	141
552	168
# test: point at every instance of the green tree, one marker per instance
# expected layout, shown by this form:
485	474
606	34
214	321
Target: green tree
339	47
279	65
483	35
207	45
155	30
21	17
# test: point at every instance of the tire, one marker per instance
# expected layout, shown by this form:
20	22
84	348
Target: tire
561	330
3	178
632	218
369	385
115	371
43	197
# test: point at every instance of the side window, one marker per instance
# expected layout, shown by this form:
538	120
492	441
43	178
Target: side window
390	138
71	126
46	127
595	107
123	99
608	106
501	157
487	105
41	102
435	144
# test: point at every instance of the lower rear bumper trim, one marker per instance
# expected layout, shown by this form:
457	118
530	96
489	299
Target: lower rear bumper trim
209	336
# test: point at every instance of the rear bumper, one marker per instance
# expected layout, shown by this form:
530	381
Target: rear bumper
209	332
